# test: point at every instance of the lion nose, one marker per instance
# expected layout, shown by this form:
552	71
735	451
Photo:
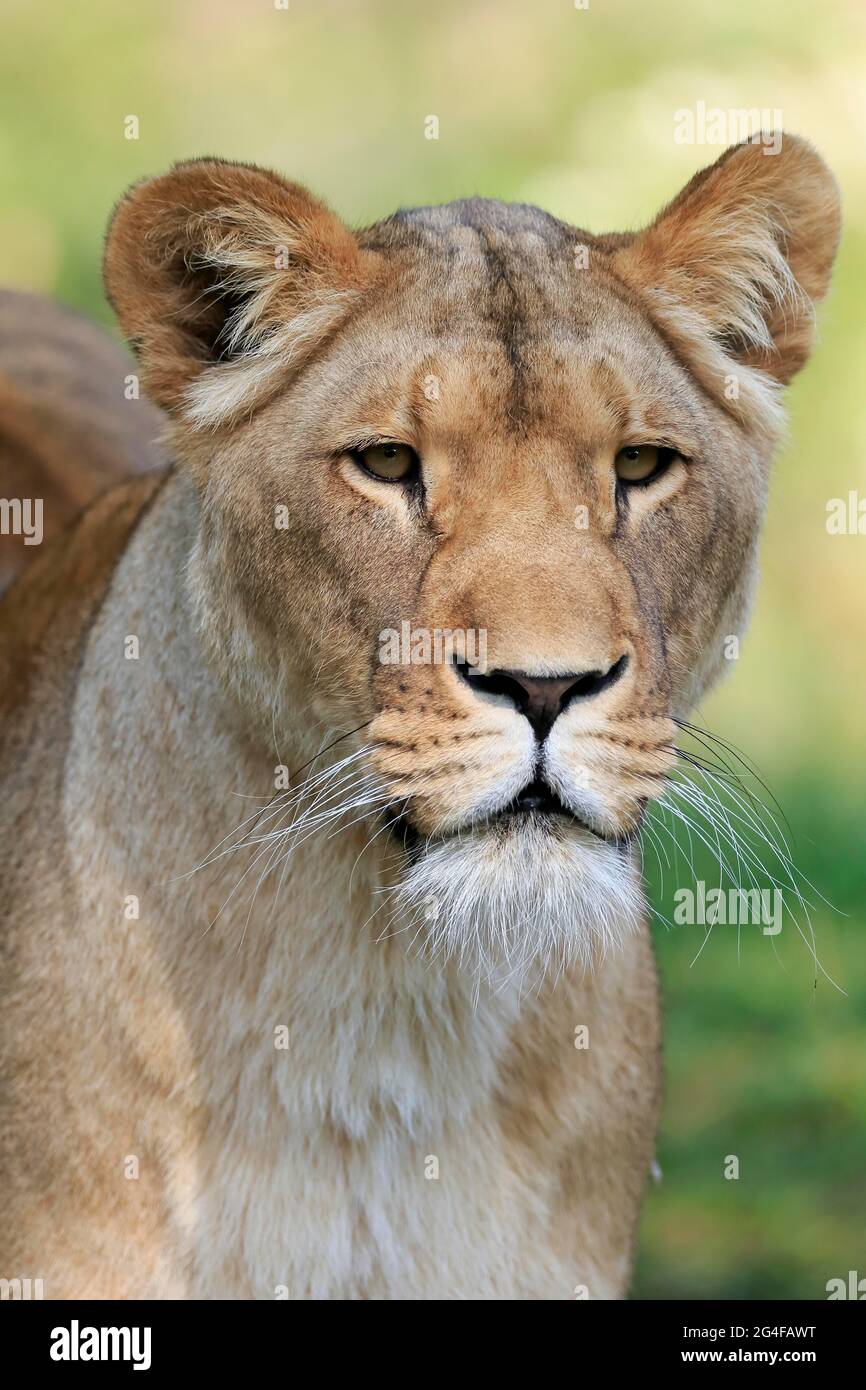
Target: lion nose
543	698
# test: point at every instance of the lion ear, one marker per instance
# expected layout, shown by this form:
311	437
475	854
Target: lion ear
743	254
221	274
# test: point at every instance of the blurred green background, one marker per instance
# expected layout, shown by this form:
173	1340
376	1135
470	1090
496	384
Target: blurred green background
573	109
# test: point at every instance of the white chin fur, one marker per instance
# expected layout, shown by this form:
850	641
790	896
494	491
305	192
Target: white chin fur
520	900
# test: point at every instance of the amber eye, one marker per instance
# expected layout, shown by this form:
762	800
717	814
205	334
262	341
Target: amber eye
640	462
391	463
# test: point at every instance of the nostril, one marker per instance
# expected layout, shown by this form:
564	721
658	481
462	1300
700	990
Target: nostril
541	698
492	683
592	683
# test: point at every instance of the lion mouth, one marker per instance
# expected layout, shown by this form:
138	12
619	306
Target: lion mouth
537	797
537	805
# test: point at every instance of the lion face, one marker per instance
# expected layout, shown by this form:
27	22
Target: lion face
487	487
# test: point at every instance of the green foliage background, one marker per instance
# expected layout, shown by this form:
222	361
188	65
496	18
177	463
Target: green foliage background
573	109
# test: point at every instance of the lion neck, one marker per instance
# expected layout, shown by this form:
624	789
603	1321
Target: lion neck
236	969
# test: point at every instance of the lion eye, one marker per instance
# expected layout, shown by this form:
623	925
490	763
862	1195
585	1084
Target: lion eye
641	463
391	463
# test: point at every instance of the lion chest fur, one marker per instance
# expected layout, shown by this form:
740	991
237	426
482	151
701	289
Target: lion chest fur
415	1137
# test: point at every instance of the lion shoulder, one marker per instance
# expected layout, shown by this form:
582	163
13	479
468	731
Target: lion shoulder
71	423
45	618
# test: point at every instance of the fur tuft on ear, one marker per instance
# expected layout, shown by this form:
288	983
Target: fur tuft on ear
736	263
222	275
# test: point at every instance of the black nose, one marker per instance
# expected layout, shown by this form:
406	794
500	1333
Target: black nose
543	698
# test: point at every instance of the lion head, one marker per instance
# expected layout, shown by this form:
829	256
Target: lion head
484	488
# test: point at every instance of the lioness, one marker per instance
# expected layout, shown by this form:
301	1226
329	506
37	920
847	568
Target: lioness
320	1041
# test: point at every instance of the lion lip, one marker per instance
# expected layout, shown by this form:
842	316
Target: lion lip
537	796
539	799
536	800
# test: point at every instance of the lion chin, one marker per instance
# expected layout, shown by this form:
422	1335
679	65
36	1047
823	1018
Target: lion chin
520	899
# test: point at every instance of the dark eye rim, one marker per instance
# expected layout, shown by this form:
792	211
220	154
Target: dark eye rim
410	479
667	456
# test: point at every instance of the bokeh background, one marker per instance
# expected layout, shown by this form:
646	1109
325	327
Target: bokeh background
541	101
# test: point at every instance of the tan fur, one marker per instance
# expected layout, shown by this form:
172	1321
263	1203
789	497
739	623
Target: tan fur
67	428
415	1039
